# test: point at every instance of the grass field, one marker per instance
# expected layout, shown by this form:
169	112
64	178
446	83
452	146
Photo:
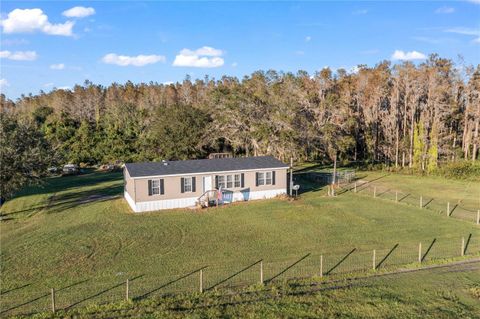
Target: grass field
74	234
443	292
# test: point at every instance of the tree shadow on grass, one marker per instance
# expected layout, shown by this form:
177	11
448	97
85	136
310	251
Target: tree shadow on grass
100	293
386	257
42	296
286	269
428	250
340	262
145	295
233	275
65	201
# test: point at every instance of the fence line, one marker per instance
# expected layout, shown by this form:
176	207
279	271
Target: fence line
223	276
447	208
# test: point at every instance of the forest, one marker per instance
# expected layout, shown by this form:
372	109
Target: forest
404	115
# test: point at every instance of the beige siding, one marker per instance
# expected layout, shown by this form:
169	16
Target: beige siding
129	184
173	188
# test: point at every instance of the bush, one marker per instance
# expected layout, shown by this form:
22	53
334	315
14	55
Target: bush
460	170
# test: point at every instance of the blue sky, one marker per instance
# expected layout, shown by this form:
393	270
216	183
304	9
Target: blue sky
107	41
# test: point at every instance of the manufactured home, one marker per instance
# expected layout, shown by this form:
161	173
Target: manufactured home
205	182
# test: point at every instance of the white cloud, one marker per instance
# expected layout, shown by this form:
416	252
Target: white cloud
19	55
79	12
32	20
204	57
4	83
308	38
408	56
234	64
474	1
445	10
139	60
360	12
466	31
59	66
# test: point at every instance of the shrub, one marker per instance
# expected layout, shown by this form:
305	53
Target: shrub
460	170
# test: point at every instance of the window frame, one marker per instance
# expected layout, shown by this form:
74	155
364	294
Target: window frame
221	184
229	183
237	182
155	189
261	178
190	185
268	181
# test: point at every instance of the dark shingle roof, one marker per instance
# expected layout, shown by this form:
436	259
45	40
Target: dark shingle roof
202	166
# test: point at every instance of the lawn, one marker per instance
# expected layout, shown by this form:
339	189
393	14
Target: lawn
73	234
444	292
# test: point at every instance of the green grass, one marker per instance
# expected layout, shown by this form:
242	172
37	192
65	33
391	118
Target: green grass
72	235
446	292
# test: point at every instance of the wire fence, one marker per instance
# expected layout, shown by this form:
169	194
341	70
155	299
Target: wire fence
33	298
449	209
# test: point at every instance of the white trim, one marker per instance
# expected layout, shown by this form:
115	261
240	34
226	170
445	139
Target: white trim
239	196
130	201
212	173
165	204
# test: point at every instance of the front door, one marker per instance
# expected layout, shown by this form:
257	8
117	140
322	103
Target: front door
207	183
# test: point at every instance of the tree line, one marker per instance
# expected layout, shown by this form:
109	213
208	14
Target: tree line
406	115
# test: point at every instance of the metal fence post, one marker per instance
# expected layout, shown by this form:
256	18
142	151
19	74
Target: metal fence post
448	208
421	201
374	261
463	246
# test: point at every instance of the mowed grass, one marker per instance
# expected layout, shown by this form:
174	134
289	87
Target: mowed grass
446	292
74	235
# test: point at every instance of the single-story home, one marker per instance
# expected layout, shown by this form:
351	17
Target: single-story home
175	184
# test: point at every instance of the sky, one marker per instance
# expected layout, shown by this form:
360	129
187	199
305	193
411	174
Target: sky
55	44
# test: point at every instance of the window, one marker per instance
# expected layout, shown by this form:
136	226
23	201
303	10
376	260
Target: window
155	187
268	178
221	181
229	181
261	179
237	180
187	186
